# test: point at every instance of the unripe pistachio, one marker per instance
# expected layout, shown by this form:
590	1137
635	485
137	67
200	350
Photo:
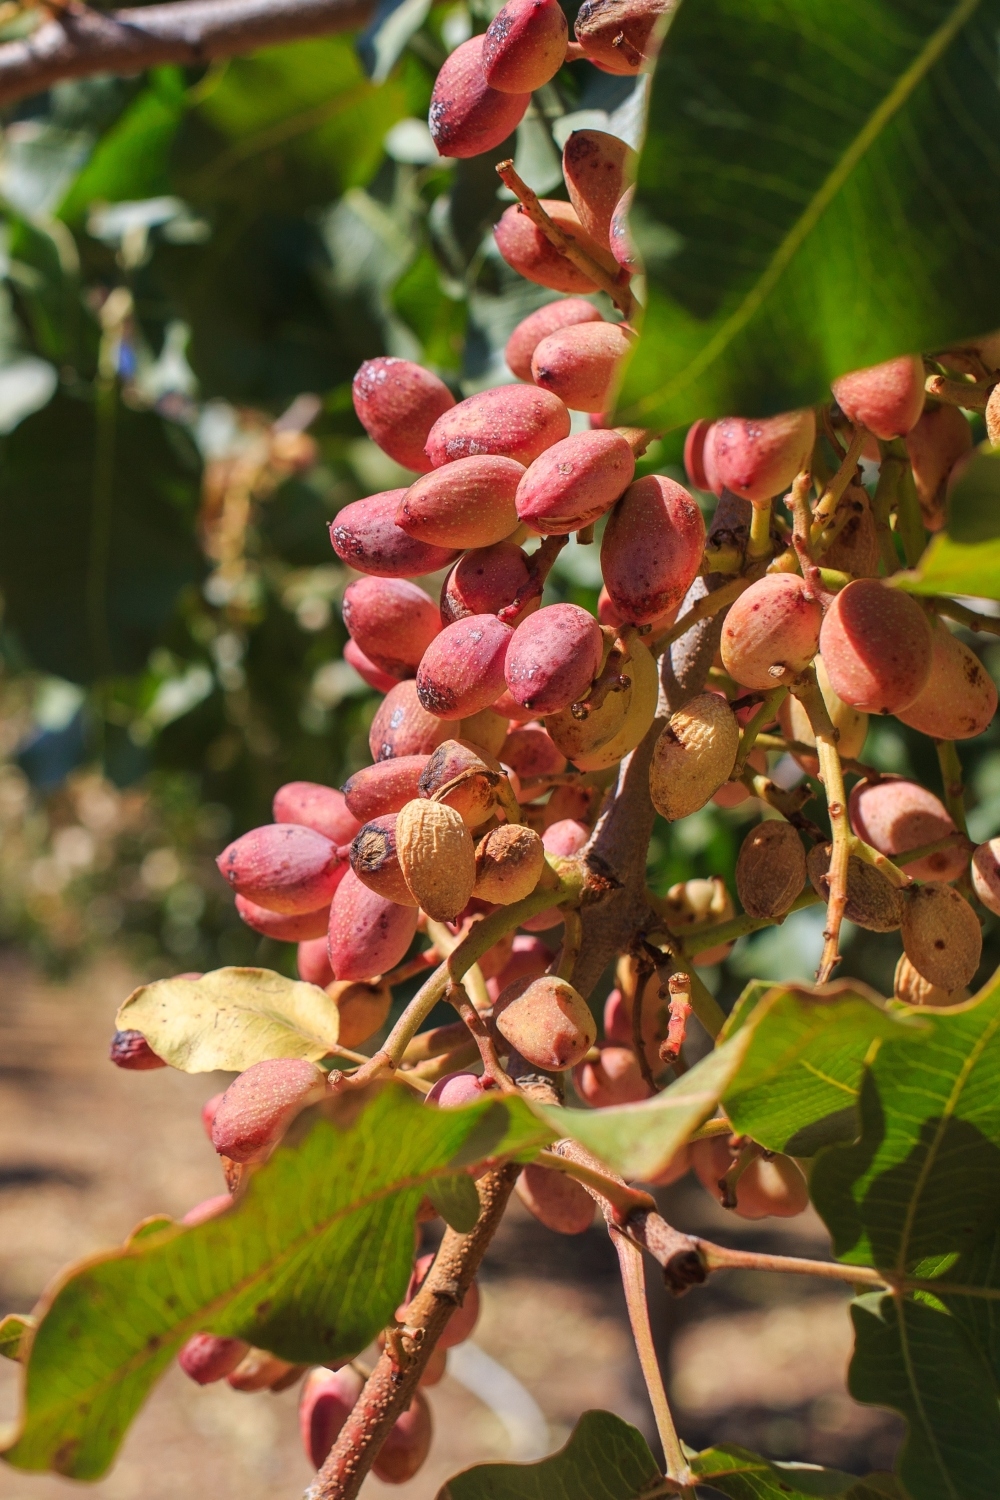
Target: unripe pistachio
886	398
315	806
574	482
876	644
284	867
757	458
986	875
282	927
555	1199
208	1208
652	549
468	503
597	168
771	632
772	1187
941	935
392	620
894	815
206	1358
509	861
873	902
693	756
910	986
131	1051
770	870
402	726
959	698
531	751
462	671
514	421
327	1400
547	1021
855	550
363	1009
566	312
260	1371
368	935
553	658
467	116
437	857
525	45
385	787
694	901
615	34
934	447
397	403
456	1089
615	1079
375	861
677	1167
366	668
528	958
527	250
313	962
365	536
258	1106
580	364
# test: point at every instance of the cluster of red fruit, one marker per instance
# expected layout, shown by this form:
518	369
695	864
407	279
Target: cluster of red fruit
500	713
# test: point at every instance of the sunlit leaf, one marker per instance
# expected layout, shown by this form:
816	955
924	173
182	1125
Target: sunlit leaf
741	1475
788	1065
818	192
231	1019
310	1264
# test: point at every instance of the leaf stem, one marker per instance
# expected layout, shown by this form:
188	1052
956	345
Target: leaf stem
721	1258
624	1200
633	1273
953	779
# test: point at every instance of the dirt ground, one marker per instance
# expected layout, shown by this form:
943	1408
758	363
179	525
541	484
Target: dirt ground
86	1151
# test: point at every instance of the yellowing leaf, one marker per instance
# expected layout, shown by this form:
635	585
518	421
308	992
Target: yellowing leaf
231	1019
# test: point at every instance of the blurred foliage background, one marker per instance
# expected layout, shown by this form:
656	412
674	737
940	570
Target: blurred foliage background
192	266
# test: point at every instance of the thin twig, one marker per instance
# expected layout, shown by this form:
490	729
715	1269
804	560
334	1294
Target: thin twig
633	1273
964	616
82	41
704	610
953	779
391	1386
832	776
721	1258
617	290
752	728
568	1157
492	1068
973	395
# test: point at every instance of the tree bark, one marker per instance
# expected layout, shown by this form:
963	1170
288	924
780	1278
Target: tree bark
80	42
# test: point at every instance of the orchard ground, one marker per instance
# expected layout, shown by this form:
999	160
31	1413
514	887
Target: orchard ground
87	1150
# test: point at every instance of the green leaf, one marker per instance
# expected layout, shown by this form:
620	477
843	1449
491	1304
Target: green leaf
604	1459
131	160
918	1195
815	195
788	1064
923	1180
949	567
974	502
96	534
797	1088
231	1019
743	1475
13	1329
912	1356
456	1200
310	1264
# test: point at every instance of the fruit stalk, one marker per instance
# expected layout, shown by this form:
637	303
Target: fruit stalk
751	730
458	997
953	781
616	290
832	776
633	1274
826	505
390	1387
